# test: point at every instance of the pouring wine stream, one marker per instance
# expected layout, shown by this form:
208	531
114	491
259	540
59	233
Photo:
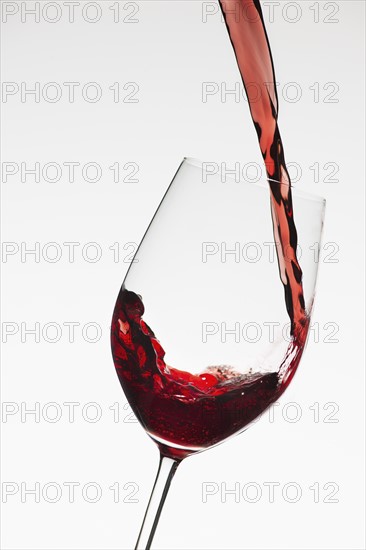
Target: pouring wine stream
245	25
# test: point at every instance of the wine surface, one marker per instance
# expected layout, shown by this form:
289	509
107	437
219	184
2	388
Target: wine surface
182	411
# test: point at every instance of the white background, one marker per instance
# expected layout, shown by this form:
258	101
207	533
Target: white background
169	52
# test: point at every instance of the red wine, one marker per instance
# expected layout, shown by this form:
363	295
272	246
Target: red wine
245	25
184	412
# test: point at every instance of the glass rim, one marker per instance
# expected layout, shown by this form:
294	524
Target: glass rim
296	191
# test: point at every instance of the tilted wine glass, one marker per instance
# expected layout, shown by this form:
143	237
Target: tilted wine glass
201	340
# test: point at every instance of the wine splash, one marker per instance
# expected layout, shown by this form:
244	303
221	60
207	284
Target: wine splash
183	412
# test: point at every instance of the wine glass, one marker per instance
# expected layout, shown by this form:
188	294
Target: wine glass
201	339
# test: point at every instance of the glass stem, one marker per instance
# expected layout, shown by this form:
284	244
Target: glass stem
166	471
